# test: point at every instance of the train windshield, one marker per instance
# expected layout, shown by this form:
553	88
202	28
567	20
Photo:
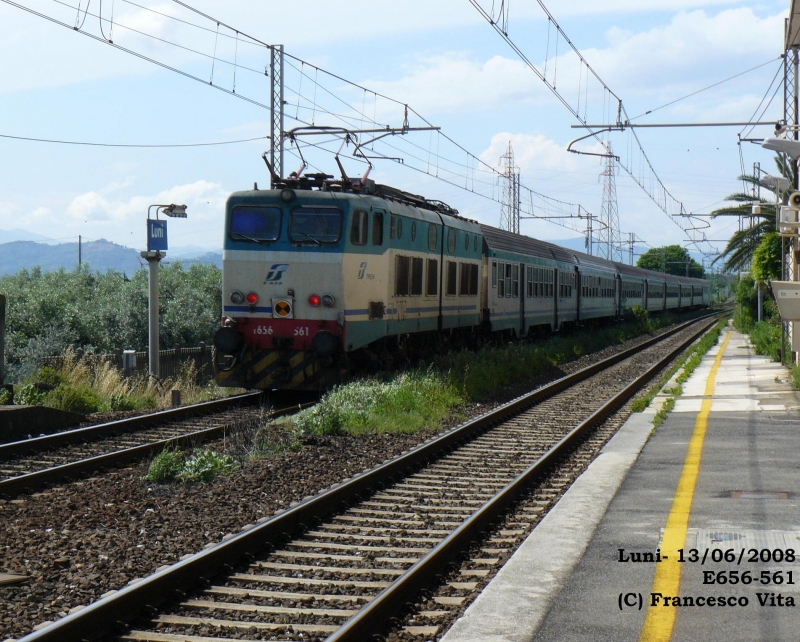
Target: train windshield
315	225
255	223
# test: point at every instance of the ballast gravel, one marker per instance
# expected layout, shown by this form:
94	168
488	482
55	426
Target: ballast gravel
76	542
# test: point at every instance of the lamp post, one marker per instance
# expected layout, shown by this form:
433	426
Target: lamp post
156	250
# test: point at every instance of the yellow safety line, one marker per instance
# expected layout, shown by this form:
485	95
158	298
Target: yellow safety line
660	619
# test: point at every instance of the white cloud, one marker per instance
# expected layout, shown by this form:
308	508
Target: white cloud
122	219
658	64
534	153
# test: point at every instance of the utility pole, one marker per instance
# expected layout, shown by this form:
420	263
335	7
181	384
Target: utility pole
276	109
509	215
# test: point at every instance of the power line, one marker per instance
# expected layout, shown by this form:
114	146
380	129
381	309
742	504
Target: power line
138	145
474	164
716	84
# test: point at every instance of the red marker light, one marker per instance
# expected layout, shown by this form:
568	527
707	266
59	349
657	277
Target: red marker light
313	300
252	298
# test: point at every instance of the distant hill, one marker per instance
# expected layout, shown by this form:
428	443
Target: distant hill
9	236
101	256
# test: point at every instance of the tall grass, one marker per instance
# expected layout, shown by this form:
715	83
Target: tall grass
79	385
766	339
479	374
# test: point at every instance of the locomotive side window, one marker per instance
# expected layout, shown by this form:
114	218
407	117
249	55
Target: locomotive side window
255	223
399	227
452	278
451	240
473	279
515	280
416	276
432	286
475	244
316	225
529	282
494	274
466	241
358	229
508	279
432	237
464	269
401	273
377	228
392	226
501	283
413	230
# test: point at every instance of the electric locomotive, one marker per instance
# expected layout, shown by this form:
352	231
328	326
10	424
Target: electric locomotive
317	280
322	275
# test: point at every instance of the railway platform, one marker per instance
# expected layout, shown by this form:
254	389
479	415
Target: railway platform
687	532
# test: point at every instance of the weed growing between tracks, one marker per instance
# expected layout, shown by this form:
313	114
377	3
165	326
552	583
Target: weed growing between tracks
202	466
689	362
422	399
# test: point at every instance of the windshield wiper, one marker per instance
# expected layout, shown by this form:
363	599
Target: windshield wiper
308	236
248	238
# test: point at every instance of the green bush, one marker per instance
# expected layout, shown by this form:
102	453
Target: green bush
409	402
5	397
796	377
642	318
205	465
30	395
120	401
48	375
166	466
766	339
81	399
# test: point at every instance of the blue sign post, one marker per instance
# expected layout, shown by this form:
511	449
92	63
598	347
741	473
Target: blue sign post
156	235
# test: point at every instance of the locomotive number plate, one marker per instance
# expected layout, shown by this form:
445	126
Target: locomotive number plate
282	309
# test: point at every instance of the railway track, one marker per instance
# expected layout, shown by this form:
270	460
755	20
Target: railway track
346	571
32	464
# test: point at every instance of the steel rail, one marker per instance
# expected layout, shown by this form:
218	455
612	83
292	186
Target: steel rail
122	426
14	486
372	619
113	612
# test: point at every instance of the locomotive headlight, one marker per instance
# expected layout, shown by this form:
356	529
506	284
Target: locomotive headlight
237	297
328	301
313	300
287	195
252	298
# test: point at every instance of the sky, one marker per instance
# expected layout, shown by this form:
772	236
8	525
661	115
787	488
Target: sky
356	64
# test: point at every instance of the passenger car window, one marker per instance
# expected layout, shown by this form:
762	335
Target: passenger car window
316	225
255	223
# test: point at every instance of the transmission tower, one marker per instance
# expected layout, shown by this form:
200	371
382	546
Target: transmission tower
609	241
509	215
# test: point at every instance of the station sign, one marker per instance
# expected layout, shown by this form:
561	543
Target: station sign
156	235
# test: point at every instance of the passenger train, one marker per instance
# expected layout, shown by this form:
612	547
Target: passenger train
323	275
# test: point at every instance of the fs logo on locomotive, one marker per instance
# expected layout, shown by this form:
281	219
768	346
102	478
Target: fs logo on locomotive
276	272
362	271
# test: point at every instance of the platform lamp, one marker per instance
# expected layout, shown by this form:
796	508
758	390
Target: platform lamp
156	250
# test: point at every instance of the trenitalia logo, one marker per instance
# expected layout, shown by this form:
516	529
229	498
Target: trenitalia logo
276	272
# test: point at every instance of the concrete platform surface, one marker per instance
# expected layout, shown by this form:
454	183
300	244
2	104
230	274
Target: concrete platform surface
719	481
